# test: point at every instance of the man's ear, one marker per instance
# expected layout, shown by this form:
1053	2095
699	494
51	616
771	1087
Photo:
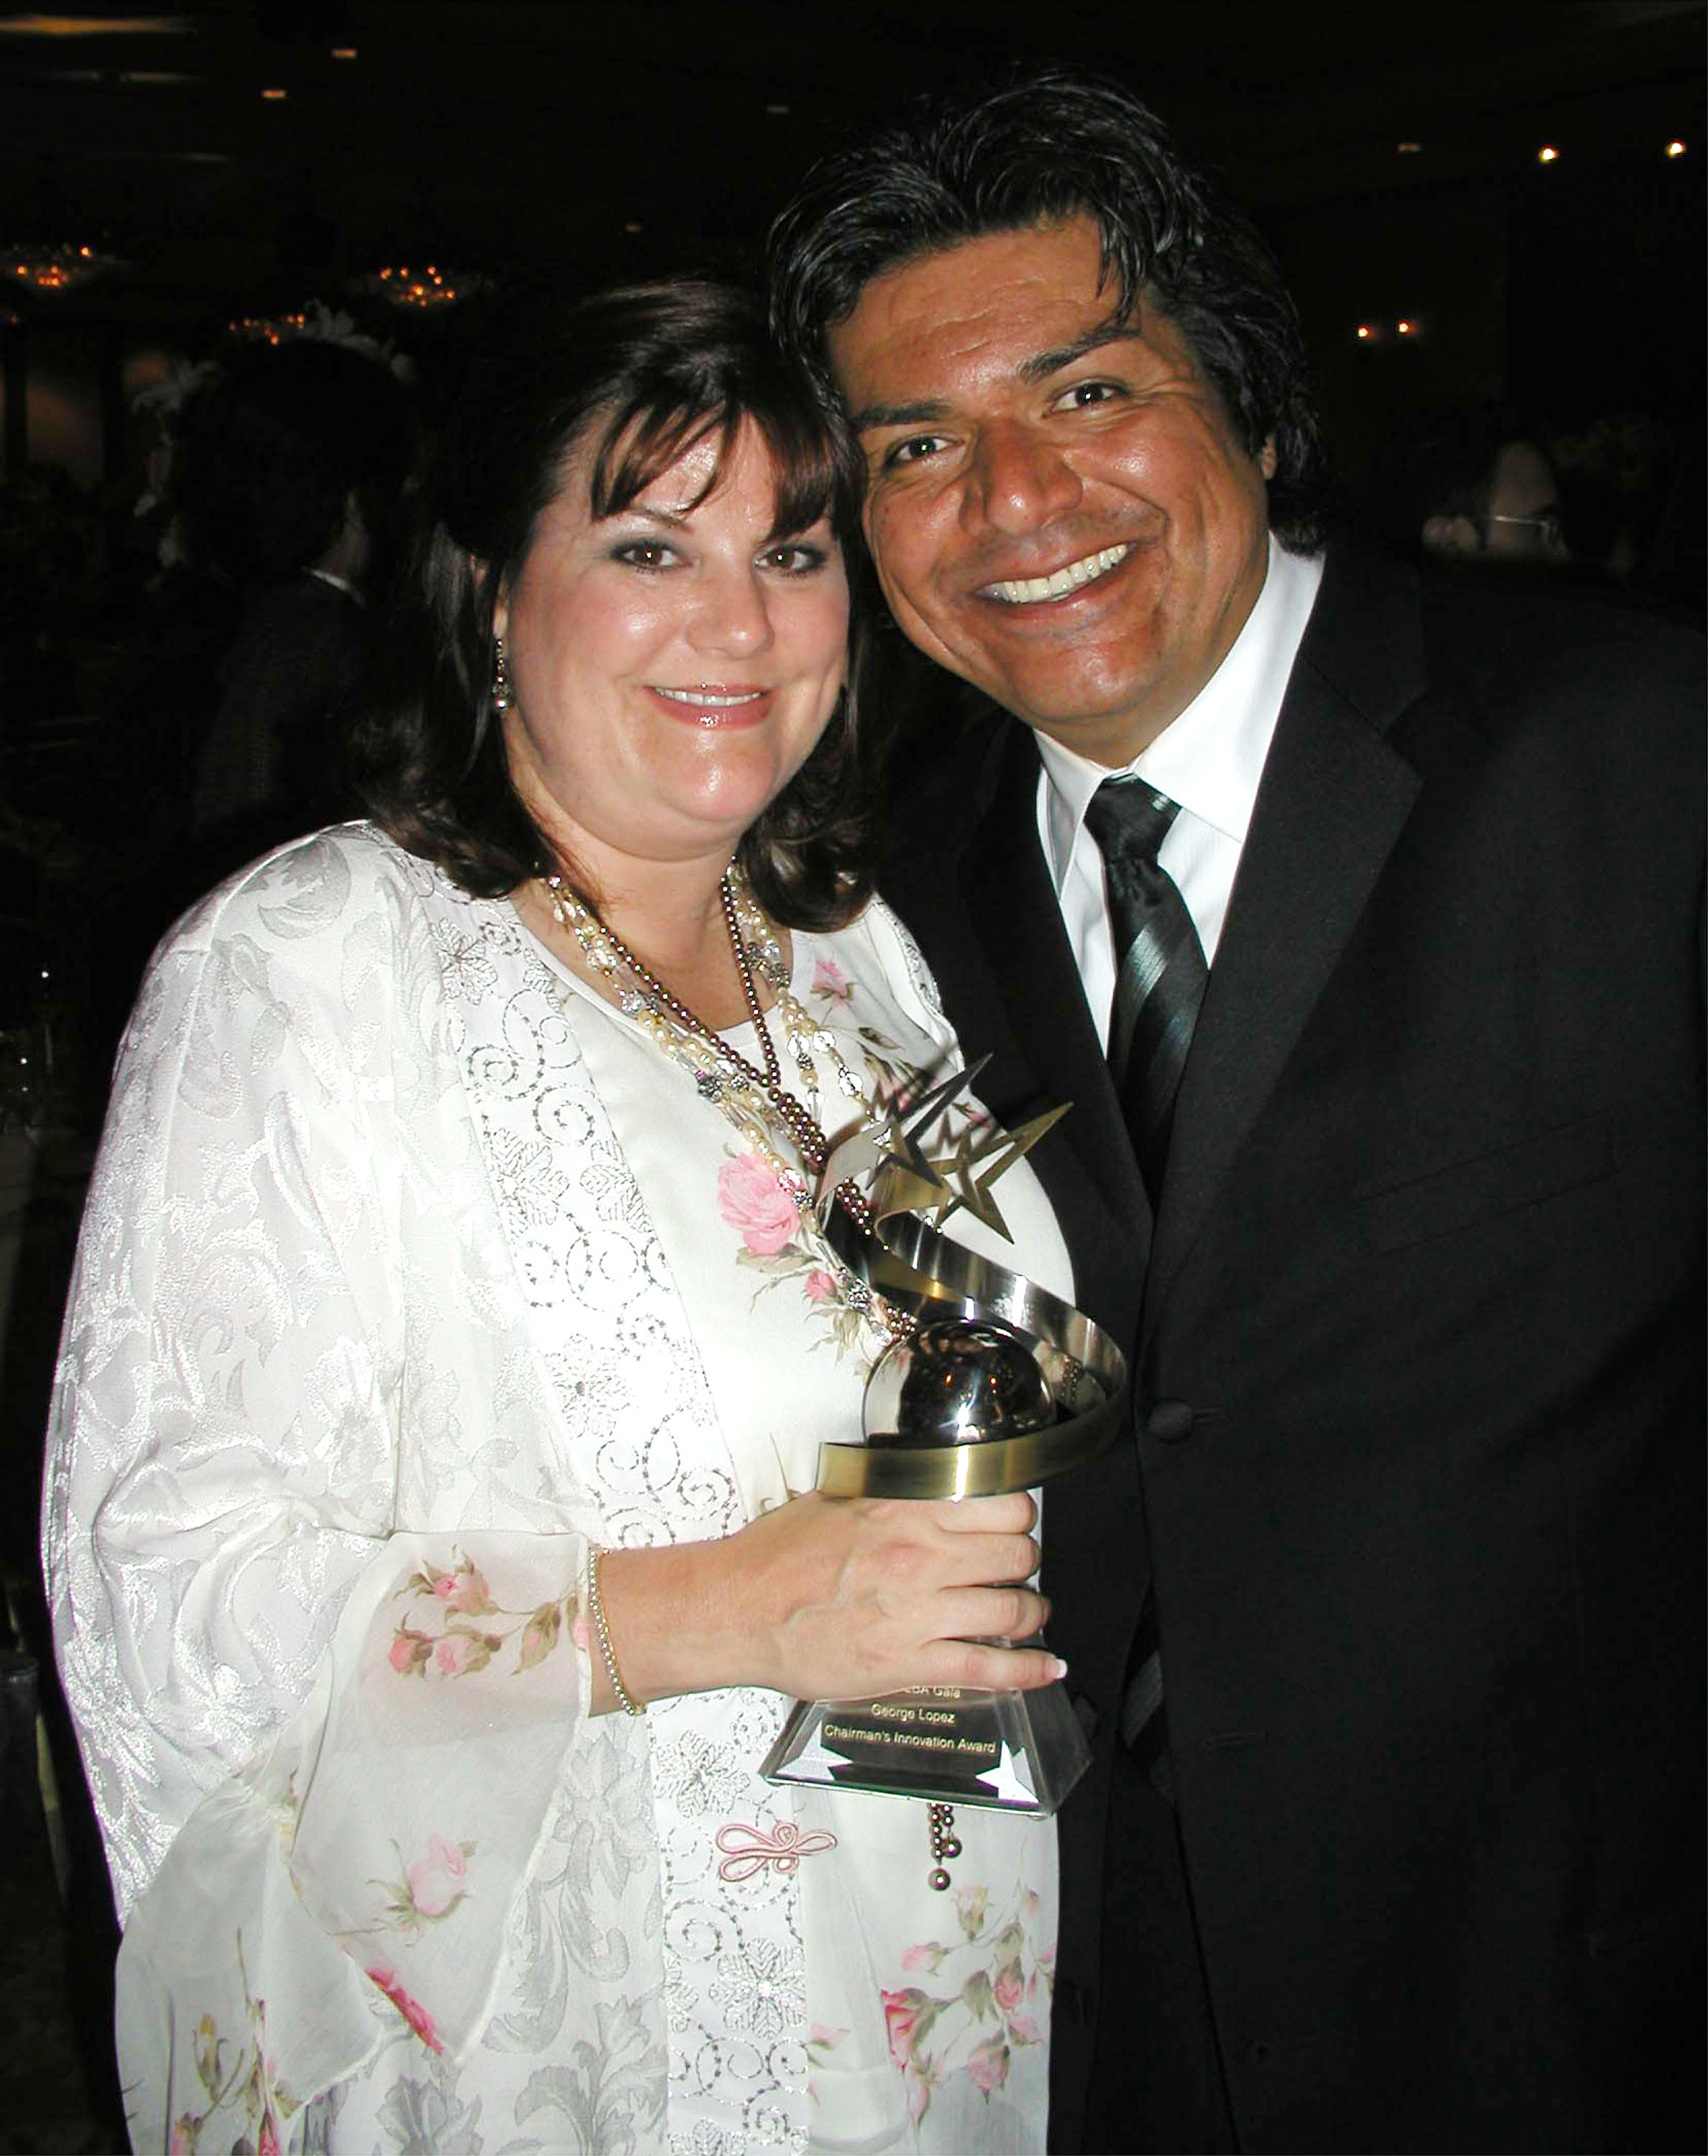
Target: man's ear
1266	459
1450	534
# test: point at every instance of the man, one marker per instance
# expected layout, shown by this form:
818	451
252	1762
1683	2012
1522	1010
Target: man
1387	1627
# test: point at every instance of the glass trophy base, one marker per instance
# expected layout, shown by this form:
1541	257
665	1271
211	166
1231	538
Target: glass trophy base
1013	1751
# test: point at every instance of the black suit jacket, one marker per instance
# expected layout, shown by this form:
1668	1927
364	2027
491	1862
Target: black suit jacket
1423	1297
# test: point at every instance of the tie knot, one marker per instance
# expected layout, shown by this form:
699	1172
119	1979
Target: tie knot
1129	818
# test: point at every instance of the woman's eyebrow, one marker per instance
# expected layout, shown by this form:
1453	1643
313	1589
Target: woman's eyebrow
676	519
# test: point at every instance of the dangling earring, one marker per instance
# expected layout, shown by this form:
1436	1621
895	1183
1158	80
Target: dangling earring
503	697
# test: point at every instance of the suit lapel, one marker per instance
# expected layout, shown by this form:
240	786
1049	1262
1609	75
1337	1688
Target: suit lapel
1334	798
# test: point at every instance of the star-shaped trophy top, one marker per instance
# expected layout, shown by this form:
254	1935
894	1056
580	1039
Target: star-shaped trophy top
885	1158
972	1191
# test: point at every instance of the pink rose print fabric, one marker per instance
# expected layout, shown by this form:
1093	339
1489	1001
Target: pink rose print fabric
985	1998
750	1198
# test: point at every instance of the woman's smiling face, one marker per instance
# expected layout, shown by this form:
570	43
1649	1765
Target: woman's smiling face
674	664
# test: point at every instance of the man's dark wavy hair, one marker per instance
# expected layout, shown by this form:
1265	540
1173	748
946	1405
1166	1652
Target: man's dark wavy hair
1038	152
628	380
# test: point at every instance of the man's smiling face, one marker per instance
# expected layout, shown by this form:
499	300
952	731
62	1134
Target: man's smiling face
1059	509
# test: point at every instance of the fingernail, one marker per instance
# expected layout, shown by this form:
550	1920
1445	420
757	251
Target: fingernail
1061	1667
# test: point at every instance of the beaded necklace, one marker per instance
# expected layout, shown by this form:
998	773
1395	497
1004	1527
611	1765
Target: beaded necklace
755	1100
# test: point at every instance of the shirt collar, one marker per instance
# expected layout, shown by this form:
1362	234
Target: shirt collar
1210	758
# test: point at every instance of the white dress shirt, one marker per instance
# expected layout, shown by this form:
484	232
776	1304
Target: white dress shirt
1209	760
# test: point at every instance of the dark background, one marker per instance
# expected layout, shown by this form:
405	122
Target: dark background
480	136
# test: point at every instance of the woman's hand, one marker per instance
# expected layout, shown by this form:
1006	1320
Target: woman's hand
836	1598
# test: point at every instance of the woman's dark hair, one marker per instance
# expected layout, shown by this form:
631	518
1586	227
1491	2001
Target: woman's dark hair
634	377
1039	151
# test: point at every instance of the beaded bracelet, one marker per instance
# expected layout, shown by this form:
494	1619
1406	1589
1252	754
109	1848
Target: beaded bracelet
625	1699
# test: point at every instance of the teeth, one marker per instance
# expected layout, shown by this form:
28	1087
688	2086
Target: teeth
704	697
1026	589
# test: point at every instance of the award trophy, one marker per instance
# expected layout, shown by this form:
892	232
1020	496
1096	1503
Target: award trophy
1000	1387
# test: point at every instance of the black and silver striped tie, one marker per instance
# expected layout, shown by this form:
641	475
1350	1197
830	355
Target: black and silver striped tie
1162	975
1158	990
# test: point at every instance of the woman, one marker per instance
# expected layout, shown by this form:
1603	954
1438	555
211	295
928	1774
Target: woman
449	1338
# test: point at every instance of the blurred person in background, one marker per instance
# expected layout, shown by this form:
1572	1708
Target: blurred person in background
275	492
287	480
1469	484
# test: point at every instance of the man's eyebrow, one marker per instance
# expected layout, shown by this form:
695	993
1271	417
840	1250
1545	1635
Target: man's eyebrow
1039	368
898	415
1042	365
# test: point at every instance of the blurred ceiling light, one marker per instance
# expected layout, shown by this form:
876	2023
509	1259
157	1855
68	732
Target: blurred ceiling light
275	96
1366	334
633	226
344	52
1408	149
1675	148
778	111
1547	155
141	78
1405	326
95	25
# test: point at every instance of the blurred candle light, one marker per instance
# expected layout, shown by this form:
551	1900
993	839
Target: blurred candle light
275	96
1675	148
422	289
60	268
1547	155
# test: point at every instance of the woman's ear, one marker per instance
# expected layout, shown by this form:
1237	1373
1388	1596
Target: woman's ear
501	612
